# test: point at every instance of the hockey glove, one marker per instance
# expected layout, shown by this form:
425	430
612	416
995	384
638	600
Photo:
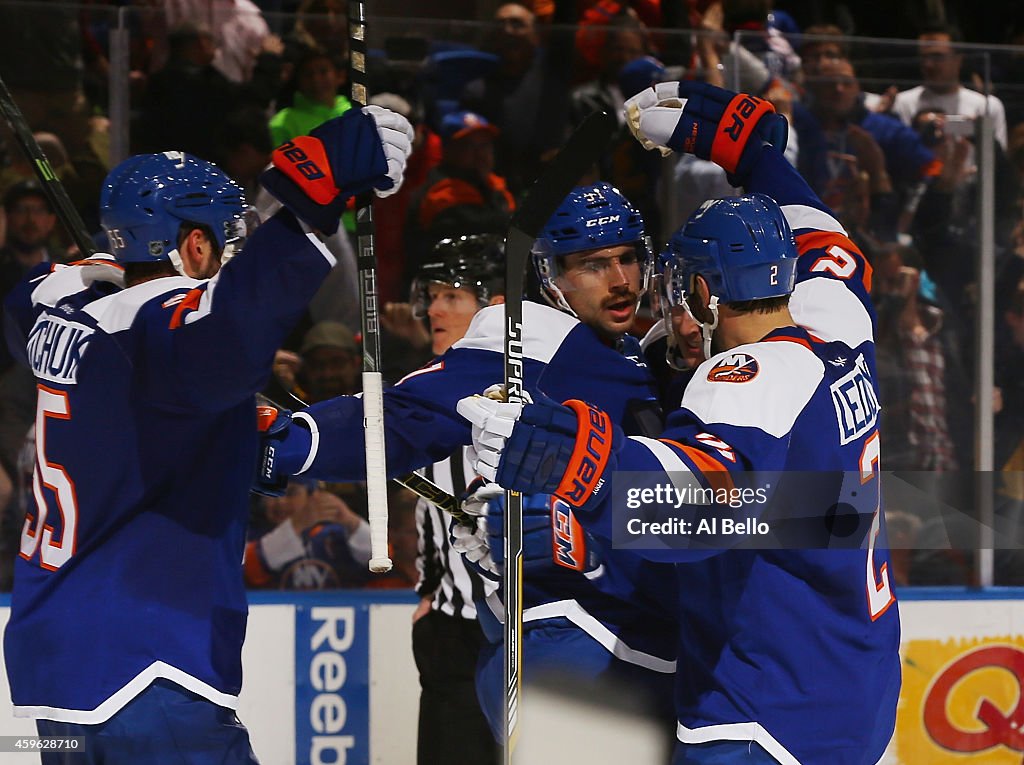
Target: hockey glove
473	542
711	123
543	448
315	175
281	445
551	534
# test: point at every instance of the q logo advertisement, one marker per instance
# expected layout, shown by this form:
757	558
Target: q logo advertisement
962	702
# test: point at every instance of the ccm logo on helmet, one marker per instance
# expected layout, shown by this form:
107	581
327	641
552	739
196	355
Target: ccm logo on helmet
603	221
301	160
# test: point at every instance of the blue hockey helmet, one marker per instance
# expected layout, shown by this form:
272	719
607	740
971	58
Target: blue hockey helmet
742	246
146	199
589	218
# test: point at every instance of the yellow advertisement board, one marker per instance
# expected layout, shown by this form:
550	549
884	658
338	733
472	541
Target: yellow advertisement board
961	702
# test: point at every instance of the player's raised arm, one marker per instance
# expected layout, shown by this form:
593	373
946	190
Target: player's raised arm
746	138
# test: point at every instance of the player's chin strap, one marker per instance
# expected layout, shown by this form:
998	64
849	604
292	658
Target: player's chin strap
175	257
707	329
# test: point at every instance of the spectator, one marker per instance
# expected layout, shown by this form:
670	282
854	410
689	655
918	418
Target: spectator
188	85
826	42
625	41
941	89
390	239
836	124
463	194
241	36
244	149
316	542
525	96
330	363
921	374
81	178
318	76
31	223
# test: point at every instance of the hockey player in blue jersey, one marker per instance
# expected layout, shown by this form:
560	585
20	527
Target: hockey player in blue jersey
128	611
592	258
788	653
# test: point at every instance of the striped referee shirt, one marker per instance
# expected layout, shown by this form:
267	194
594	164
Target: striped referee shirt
442	571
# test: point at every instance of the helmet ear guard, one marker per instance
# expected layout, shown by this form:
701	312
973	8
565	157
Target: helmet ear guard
146	199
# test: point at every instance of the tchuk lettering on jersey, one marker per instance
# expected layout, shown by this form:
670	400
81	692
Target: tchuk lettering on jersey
55	348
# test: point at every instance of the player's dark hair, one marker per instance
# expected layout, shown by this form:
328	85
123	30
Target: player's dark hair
136	273
764	305
941	28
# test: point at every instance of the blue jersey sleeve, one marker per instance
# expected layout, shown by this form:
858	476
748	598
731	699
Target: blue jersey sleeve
212	346
420	421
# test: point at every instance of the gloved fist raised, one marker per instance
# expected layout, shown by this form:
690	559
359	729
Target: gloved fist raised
712	123
315	175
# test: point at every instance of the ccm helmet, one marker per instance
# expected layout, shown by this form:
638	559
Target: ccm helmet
146	199
589	218
475	261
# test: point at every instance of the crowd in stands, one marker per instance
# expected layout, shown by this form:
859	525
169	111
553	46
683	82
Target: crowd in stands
884	133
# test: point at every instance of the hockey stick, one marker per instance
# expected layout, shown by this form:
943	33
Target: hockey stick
366	260
51	184
419	485
584	146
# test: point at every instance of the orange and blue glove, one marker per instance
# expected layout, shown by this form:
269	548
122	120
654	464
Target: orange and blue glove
723	126
315	175
568	450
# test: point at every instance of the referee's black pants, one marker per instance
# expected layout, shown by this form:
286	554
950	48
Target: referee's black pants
452	729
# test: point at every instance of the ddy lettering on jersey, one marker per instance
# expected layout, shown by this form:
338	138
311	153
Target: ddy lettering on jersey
55	348
855	401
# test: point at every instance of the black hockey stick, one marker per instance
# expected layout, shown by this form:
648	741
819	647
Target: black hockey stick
366	260
564	172
48	179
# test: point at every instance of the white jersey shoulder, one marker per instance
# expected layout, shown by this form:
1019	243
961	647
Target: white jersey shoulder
65	280
544	330
761	385
829	310
117	312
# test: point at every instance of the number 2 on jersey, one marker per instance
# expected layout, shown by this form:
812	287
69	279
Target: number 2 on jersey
879	590
52	554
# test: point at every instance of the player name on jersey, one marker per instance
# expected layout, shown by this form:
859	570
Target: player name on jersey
855	401
56	347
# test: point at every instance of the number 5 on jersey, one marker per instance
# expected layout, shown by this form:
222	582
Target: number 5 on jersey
36	534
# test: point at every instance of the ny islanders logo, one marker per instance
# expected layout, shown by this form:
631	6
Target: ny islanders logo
736	368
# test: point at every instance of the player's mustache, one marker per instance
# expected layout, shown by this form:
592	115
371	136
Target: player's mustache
626	297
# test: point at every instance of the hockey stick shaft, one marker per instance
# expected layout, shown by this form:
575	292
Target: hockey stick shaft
419	485
583	148
48	179
366	261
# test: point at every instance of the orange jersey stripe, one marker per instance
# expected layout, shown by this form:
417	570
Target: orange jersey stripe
716	473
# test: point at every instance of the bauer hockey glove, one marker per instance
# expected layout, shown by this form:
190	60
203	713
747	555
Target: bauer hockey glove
315	175
544	448
719	125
